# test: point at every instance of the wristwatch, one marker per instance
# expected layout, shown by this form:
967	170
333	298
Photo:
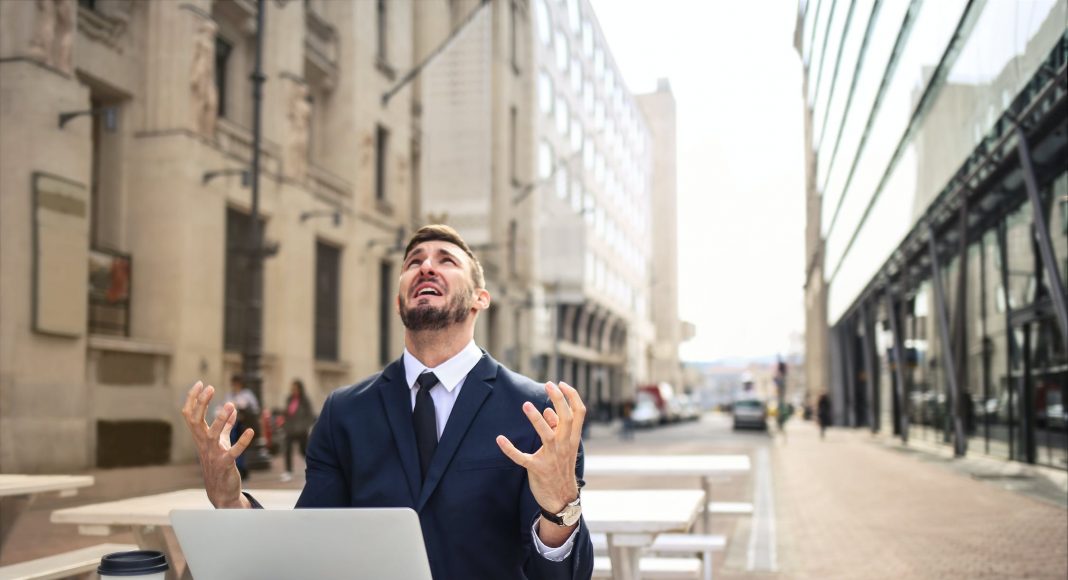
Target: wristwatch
567	516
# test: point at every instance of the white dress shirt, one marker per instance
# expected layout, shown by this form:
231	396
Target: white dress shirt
451	374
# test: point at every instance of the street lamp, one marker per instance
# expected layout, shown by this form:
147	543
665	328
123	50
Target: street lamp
252	356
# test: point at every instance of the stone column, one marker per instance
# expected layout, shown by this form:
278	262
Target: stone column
179	67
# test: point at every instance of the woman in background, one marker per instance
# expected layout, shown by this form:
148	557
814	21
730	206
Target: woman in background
299	419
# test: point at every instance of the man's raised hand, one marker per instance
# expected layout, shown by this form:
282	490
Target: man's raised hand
551	469
217	457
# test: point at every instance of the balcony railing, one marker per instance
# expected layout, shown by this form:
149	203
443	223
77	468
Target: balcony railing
110	275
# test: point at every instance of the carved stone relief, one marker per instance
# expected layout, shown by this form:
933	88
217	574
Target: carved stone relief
53	33
204	94
299	131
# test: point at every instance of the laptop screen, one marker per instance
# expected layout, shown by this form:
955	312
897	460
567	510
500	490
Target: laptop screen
381	543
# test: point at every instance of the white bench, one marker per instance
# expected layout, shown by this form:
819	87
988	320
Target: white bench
730	508
62	565
703	544
654	568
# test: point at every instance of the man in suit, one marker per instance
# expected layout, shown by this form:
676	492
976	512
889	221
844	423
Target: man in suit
489	459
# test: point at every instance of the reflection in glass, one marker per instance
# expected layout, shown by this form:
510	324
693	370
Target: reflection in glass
1022	279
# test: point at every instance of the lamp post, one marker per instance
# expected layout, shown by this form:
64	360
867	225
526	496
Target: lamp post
252	356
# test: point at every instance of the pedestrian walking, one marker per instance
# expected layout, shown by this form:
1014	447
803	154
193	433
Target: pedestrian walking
299	419
487	457
823	413
626	433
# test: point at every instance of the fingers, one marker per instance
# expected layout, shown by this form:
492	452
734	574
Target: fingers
563	411
551	417
223	417
228	424
548	437
242	443
578	411
200	408
190	402
518	457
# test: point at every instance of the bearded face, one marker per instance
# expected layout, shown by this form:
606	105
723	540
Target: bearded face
421	314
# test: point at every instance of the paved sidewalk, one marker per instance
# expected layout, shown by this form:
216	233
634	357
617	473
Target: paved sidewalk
850	507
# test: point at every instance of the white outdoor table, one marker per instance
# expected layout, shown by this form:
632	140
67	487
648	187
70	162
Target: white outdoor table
631	520
148	516
18	491
706	467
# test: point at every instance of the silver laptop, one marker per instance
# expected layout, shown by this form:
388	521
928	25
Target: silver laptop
259	544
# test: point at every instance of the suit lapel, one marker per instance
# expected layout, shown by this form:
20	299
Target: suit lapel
477	386
397	399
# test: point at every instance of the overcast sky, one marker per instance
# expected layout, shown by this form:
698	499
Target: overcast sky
737	85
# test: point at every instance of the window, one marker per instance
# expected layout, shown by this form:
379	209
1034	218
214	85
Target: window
237	282
561	181
562	115
382	18
563	51
381	161
385	310
587	39
222	58
545	31
545	92
545	160
574	14
576	134
327	300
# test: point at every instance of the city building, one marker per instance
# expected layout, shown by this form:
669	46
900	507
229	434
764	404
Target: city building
127	138
542	158
938	220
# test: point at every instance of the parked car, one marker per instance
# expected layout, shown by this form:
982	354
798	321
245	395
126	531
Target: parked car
689	407
749	413
645	413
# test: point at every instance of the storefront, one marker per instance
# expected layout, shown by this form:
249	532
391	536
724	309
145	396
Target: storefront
972	302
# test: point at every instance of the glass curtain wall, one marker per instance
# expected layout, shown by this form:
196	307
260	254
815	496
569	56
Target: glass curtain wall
998	402
918	342
1048	353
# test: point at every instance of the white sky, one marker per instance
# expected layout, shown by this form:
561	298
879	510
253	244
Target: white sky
737	85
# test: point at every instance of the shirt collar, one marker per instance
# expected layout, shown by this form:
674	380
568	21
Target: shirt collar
451	372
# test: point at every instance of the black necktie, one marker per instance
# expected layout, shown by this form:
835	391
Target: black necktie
425	421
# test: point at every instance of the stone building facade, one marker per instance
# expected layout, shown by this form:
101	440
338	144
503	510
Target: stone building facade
126	138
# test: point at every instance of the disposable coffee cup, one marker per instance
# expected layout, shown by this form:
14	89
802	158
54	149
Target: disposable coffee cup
139	564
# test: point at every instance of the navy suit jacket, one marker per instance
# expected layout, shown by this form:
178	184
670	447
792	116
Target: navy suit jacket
475	506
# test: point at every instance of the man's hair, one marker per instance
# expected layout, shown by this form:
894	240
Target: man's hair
237	378
444	233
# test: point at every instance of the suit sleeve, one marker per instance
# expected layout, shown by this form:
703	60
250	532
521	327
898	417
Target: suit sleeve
326	479
577	566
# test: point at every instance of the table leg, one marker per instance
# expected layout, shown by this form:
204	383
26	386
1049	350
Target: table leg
11	507
625	563
152	538
625	552
706	513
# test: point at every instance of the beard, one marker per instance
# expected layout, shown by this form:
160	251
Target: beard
427	317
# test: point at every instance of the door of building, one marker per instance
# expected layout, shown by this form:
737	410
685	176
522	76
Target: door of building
1040	385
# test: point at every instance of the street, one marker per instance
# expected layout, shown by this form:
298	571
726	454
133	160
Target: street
846	507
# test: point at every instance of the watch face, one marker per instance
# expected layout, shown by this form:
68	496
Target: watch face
571	514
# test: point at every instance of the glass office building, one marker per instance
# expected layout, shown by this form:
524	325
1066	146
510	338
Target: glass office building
938	190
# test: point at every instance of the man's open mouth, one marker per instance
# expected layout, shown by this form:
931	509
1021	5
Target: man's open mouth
427	290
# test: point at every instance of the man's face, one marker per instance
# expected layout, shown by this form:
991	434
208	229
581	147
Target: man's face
436	287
